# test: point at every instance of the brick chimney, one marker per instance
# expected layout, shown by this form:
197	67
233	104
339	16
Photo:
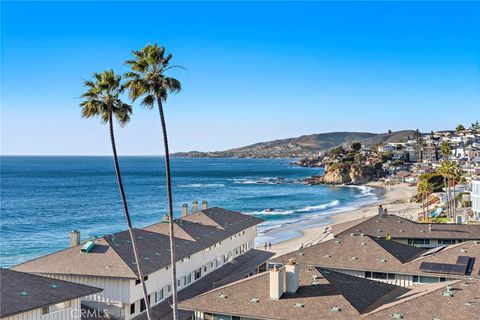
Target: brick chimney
204	204
74	238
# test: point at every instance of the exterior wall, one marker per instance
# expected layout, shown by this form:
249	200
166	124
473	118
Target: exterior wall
121	293
72	313
475	197
207	261
115	290
402	280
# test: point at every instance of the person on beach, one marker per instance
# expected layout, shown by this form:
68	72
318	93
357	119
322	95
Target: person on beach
265	246
269	245
385	212
380	210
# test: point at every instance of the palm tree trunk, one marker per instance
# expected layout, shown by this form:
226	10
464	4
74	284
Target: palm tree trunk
454	203
127	215
170	210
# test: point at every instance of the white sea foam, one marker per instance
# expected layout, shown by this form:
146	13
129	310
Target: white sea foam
201	185
332	204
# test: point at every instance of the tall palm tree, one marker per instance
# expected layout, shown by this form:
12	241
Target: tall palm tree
102	99
147	78
425	188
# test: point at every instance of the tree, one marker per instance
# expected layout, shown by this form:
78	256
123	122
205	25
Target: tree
147	79
356	146
425	188
460	127
102	99
445	150
337	151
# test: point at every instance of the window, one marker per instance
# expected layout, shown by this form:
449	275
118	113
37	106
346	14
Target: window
142	305
418	241
158	295
198	273
179	283
205	268
56	307
446	241
187	279
169	288
145	278
379	275
132	308
415	278
137	281
368	274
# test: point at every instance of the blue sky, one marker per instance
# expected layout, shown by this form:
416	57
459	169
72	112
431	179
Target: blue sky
256	71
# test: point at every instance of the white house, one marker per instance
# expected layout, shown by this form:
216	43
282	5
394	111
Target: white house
30	297
475	198
205	240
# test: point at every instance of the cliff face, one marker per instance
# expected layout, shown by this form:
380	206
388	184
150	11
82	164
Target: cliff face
352	174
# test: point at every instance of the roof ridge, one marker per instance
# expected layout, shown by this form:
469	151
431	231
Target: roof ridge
441	286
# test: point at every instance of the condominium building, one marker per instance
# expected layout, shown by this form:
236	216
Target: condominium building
205	241
475	198
30	297
406	231
300	292
389	261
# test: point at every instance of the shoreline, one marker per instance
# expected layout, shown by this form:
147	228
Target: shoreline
395	198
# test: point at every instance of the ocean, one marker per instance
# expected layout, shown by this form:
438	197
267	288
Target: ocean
44	198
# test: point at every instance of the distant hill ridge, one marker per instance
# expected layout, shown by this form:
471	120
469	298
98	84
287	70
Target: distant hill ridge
303	146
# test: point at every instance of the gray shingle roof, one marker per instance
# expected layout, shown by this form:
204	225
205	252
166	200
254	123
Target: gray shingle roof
371	254
319	300
21	292
235	270
112	255
401	228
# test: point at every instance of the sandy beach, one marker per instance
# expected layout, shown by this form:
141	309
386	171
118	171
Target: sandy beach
394	198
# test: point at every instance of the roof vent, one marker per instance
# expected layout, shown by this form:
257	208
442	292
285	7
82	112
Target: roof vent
363	243
338	241
54	286
301	253
422	231
397	316
327	256
463	250
447	294
24	293
299	305
354	234
254	300
222	296
382	260
335	309
377	221
88	246
379	230
354	258
401	230
165	219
